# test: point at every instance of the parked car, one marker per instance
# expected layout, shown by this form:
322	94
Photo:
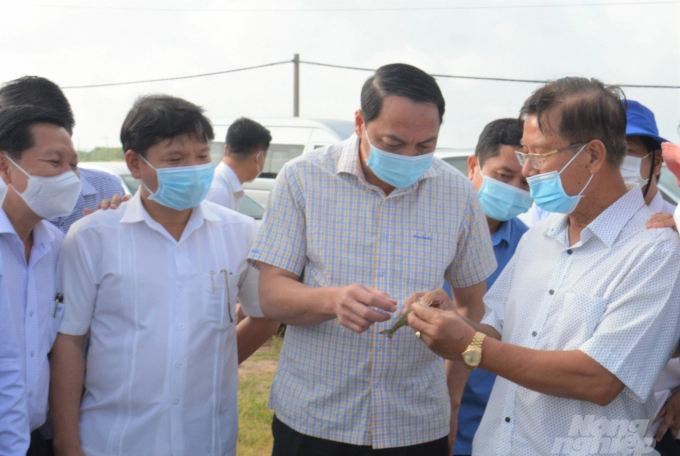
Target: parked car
248	206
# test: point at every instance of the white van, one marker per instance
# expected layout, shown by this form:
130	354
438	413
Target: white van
291	137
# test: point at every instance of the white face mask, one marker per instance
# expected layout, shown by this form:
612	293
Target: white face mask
50	197
3	191
630	170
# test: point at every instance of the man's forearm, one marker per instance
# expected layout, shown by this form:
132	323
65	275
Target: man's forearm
251	333
66	388
570	374
285	299
456	378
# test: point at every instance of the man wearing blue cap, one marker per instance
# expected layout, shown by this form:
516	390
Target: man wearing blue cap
643	161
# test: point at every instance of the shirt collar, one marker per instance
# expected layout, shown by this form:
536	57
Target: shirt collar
230	176
656	204
136	212
349	161
503	233
86	188
42	236
607	225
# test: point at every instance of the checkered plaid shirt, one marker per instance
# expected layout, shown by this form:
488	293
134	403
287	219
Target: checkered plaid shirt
323	218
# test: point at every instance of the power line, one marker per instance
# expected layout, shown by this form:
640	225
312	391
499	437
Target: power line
345	67
486	78
323	10
111	84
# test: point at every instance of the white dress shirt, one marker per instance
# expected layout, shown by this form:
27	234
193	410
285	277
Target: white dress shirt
226	189
14	427
612	295
162	368
658	204
32	290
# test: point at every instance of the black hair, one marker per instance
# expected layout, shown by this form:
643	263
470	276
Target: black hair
589	110
37	91
15	127
500	132
245	137
155	118
402	80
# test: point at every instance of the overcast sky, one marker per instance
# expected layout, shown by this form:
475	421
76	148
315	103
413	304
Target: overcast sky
76	42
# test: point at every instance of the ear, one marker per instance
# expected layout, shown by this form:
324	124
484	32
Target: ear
358	123
658	162
598	155
132	160
472	165
4	169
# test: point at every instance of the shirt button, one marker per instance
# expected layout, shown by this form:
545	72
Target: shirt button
181	326
569	252
180	286
534	333
30	394
30	314
176	401
32	353
507	419
551	292
178	364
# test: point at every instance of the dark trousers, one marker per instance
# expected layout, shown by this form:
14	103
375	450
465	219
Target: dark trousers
39	445
289	442
668	446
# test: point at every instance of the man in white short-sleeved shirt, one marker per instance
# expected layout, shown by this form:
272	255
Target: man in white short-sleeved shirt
245	150
584	317
37	163
155	282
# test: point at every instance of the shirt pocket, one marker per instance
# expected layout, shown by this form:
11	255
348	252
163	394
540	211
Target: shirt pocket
219	299
56	315
425	256
577	320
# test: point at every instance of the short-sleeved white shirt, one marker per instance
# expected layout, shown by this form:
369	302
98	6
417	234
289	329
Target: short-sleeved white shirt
226	189
612	295
32	288
162	365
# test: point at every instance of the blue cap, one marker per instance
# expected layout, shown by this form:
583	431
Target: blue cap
640	121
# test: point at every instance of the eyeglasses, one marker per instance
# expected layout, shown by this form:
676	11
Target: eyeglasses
538	160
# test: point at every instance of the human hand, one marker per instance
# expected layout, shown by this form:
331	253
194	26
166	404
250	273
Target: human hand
436	298
445	332
71	450
112	203
661	220
356	307
670	416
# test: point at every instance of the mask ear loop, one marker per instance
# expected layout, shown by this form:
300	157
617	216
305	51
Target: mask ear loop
651	175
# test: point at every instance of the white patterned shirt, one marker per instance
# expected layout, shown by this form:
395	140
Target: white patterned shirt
162	368
226	189
324	218
32	289
613	295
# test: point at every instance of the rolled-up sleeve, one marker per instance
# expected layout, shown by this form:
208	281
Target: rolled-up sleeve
474	260
75	273
281	240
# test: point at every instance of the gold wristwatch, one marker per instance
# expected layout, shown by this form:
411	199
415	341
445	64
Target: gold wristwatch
473	354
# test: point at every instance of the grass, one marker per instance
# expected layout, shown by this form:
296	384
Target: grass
255	379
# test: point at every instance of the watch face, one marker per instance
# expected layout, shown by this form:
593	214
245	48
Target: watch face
472	358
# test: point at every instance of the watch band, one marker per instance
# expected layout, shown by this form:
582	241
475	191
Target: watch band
478	339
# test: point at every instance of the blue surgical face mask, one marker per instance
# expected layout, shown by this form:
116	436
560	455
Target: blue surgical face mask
397	170
502	201
182	187
546	189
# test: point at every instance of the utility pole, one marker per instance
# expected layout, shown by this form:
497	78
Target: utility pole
296	85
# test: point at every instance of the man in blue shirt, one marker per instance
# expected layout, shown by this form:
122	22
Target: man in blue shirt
503	191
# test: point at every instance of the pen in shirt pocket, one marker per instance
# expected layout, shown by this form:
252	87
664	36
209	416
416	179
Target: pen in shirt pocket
58	299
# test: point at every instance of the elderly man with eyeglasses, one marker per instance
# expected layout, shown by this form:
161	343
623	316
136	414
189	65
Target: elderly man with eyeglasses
584	317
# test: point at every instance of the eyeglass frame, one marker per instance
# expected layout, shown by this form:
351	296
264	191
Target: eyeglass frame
522	157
